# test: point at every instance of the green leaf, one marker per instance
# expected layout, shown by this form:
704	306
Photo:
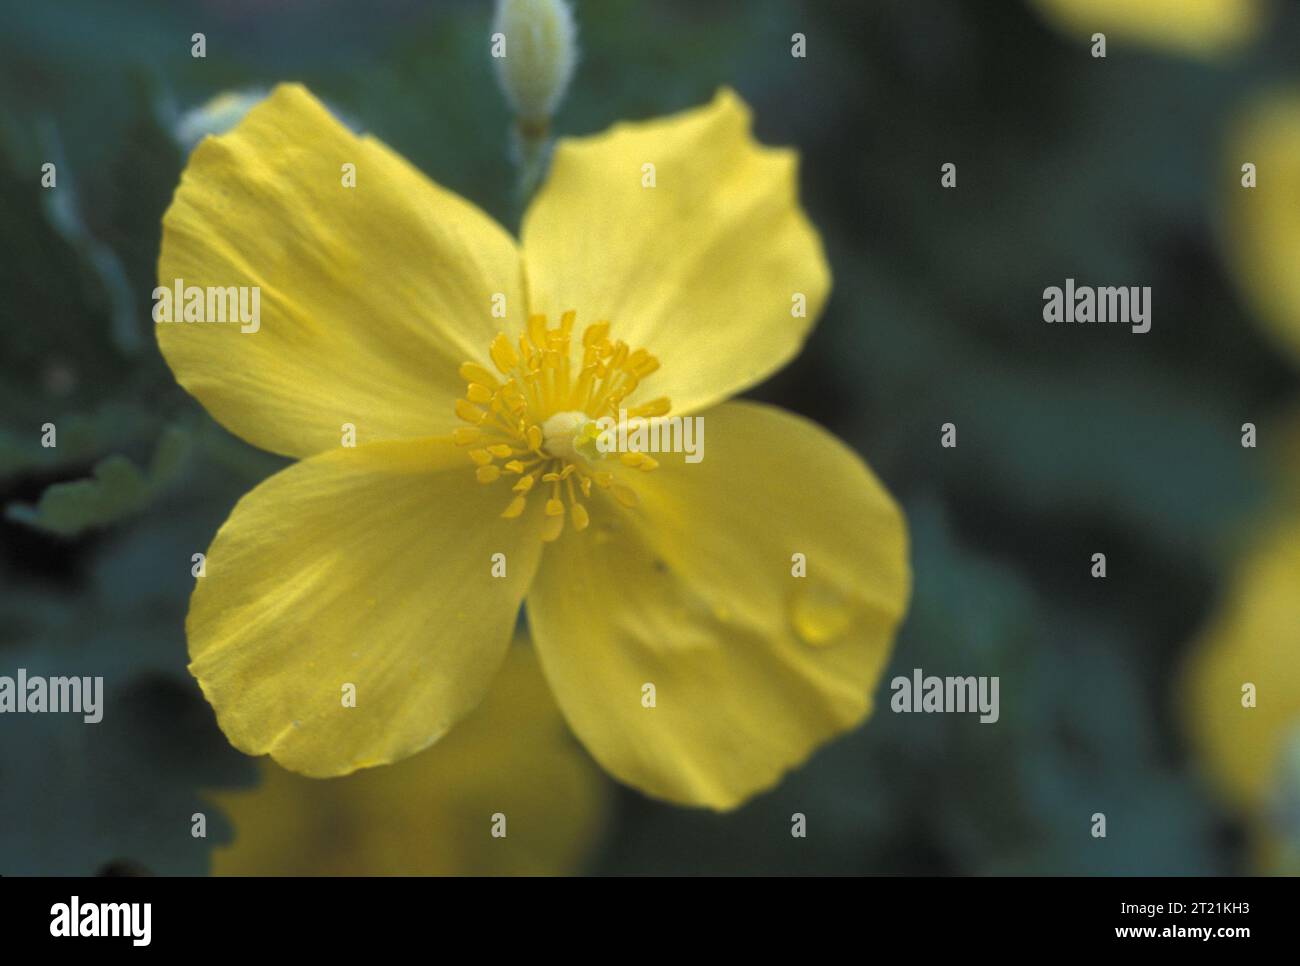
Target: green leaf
116	489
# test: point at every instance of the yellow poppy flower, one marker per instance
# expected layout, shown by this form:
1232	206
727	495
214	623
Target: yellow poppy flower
1198	27
511	767
680	648
1248	656
1263	222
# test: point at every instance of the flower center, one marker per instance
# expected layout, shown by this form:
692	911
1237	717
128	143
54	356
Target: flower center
571	436
538	420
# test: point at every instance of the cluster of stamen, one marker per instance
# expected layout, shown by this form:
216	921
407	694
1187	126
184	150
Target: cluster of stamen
537	420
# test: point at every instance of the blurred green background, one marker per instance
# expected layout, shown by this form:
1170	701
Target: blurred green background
1071	440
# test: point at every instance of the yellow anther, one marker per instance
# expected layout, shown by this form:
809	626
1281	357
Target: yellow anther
478	393
469	412
480	456
501	450
534	437
525	484
488	474
648	410
514	466
515	508
537	330
554	507
503	354
473	372
648	464
594	334
632	459
466	435
625	495
513	398
580	518
552	528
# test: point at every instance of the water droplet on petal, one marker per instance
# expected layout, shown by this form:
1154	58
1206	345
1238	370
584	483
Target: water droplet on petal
821	614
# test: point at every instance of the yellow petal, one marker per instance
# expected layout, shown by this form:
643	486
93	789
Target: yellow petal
1263	223
702	269
432	814
368	567
1201	27
693	593
370	297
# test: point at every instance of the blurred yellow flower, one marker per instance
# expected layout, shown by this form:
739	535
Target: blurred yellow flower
1199	27
680	643
1253	753
1250	653
1263	222
433	814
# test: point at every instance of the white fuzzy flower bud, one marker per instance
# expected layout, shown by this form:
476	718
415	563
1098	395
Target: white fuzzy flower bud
535	49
